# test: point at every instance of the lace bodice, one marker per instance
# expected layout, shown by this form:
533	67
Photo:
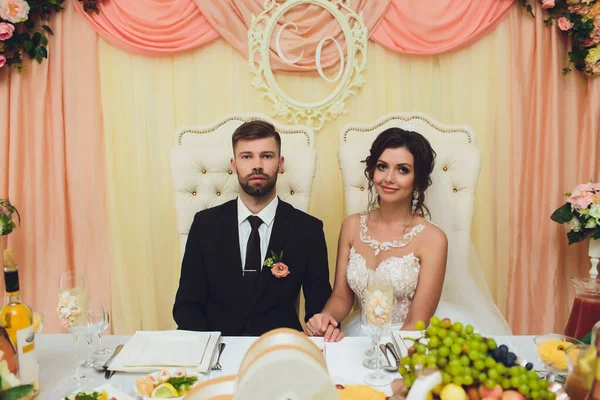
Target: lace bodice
403	272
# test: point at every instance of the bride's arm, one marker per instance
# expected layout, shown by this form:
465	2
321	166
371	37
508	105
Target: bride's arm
434	253
341	300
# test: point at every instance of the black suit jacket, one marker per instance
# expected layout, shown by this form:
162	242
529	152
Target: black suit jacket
211	294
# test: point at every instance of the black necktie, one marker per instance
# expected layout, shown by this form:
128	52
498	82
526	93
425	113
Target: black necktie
253	259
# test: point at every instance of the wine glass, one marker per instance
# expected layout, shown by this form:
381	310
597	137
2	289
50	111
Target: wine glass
96	320
72	312
101	349
378	308
370	360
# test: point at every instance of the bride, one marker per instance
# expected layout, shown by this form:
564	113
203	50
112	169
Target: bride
413	239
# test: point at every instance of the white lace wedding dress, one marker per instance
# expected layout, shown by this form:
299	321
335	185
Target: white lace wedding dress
403	272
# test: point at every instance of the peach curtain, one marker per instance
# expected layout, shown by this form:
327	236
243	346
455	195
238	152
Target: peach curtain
428	27
52	166
232	18
151	27
555	138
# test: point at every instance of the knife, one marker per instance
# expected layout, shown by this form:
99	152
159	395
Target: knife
109	373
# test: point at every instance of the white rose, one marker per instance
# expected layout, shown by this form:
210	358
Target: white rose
574	224
595	211
591	223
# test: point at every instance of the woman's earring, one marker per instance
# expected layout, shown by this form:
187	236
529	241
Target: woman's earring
415	200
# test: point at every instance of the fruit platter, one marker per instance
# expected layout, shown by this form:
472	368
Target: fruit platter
450	361
167	383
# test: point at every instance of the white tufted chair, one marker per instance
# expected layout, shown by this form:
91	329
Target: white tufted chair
458	160
202	176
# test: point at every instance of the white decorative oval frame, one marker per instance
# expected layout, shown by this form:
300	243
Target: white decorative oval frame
350	73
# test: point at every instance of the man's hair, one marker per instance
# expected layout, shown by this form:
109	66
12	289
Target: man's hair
253	130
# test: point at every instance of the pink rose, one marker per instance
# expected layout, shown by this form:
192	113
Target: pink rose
564	24
6	30
548	4
14	11
280	270
580	201
2	60
584	187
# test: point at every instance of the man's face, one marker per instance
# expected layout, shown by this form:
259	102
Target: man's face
257	163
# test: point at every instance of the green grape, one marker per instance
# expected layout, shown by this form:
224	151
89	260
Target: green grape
468	380
489	383
464	360
420	325
434	321
443	351
475	355
421	348
448	341
469	329
533	384
491	344
535	394
490	362
454	363
473	344
532	375
551	395
506	384
456	371
442	333
477	337
418	359
406	361
524	389
457	327
431	359
434	342
514	371
456	349
543	383
493	374
479	365
409	380
458	380
543	394
502	370
446	378
468	371
459	340
446	323
515	381
431	331
481	377
452	334
402	370
442	362
483	348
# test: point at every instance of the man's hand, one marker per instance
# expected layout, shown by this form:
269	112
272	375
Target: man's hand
324	325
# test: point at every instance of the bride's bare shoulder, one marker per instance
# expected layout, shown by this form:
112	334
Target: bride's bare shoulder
432	233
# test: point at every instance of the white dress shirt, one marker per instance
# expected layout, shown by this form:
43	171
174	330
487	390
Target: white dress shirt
267	215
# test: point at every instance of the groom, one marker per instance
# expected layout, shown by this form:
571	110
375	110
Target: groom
230	281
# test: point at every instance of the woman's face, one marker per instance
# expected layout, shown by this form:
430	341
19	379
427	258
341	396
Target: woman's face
394	175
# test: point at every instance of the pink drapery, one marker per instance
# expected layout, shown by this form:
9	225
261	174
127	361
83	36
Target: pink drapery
151	27
427	27
232	18
52	167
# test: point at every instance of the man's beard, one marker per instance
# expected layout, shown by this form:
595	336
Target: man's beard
258	191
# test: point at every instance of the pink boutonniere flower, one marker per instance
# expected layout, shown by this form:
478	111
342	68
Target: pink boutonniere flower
278	268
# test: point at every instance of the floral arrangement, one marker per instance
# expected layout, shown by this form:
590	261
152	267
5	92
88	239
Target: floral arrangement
7	215
581	212
579	19
23	31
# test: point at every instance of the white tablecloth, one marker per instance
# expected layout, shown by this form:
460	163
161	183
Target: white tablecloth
56	356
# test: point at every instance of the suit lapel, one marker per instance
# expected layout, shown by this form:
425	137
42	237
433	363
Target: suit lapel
231	264
279	236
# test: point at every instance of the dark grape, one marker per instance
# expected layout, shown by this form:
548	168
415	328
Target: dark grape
529	366
511	359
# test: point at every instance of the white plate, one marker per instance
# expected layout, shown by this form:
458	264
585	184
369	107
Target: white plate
110	391
201	378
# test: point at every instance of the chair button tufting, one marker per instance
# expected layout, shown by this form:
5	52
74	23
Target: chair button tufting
194	193
362	188
203	171
445	168
292	192
455	190
218	193
230	172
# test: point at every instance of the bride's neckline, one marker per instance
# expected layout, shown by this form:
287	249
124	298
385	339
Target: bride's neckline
387	245
408	256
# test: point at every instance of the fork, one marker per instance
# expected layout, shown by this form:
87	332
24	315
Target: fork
217	366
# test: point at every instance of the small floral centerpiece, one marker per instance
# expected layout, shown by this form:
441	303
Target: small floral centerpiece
68	309
8	213
581	212
579	19
278	268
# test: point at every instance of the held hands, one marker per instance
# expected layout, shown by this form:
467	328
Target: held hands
324	325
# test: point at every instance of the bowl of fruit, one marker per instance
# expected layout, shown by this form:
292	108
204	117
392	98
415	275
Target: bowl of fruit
552	351
453	362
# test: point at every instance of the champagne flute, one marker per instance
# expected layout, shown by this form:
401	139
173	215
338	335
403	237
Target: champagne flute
72	312
101	349
378	308
370	360
96	320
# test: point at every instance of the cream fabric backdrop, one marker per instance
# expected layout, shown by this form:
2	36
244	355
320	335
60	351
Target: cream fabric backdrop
146	99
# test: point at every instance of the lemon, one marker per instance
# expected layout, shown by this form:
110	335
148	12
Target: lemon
164	391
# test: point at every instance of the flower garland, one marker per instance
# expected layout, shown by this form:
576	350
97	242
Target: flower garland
579	19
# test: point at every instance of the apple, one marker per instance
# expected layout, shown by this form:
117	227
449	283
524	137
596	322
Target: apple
473	394
512	395
495	393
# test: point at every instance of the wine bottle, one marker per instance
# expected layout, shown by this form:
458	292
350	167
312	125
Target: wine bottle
17	318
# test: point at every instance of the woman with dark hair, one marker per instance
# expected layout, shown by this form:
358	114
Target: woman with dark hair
393	237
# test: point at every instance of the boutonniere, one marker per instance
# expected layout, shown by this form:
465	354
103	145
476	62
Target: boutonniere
278	268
